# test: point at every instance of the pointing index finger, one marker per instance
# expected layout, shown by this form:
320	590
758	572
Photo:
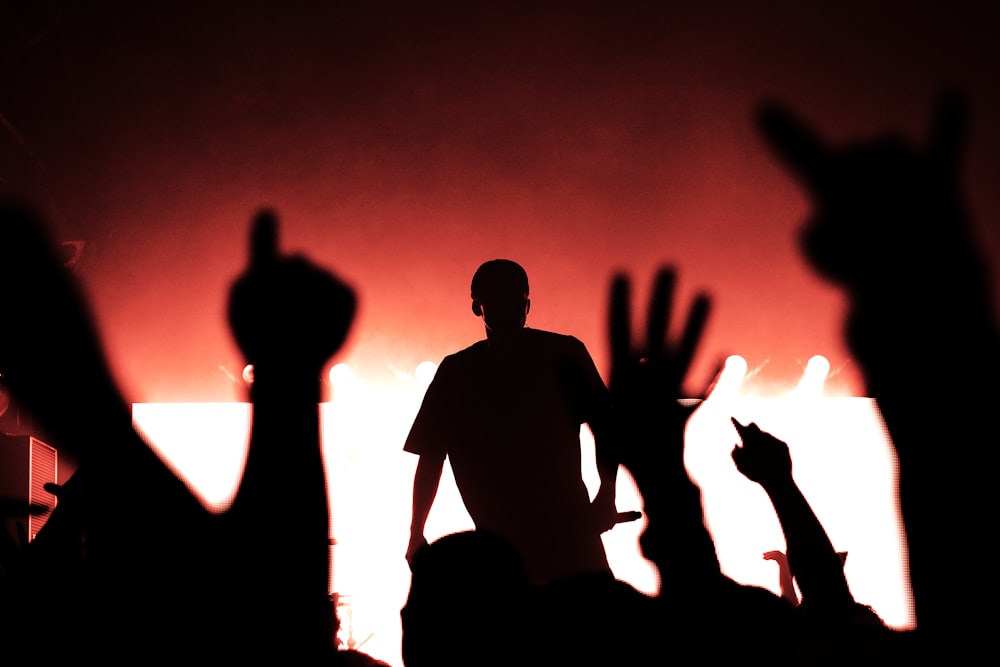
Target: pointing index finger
619	321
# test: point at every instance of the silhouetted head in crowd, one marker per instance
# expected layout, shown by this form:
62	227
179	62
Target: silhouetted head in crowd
500	296
594	619
466	594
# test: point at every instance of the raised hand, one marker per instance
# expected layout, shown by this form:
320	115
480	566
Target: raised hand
785	580
288	317
646	383
71	407
890	227
778	557
878	203
647	380
762	458
284	311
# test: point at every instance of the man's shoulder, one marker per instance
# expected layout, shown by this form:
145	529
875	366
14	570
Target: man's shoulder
473	350
552	336
464	357
554	340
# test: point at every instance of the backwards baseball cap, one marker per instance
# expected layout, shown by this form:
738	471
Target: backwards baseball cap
499	276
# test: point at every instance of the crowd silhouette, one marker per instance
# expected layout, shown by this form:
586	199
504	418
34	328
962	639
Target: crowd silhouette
130	567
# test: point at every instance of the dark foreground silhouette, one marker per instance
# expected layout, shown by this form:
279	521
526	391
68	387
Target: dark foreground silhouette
891	229
131	568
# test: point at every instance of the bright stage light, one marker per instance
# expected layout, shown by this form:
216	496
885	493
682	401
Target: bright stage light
727	385
734	370
811	383
425	372
342	377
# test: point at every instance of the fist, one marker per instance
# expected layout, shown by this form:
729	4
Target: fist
762	458
284	311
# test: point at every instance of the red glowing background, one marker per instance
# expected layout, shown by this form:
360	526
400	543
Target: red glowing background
404	143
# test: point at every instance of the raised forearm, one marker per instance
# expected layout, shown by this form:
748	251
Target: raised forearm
284	452
811	556
282	496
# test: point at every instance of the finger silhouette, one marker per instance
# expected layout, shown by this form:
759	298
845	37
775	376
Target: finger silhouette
691	336
619	322
264	238
660	305
948	132
797	145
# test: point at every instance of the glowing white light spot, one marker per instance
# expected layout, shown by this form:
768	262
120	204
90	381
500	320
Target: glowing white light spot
811	384
735	365
727	385
425	372
341	376
248	374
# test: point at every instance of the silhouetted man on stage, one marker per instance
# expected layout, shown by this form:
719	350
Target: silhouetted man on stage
507	412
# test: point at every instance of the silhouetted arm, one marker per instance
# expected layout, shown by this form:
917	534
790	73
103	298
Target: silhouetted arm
288	317
646	383
430	434
601	424
82	412
814	563
140	523
425	485
890	228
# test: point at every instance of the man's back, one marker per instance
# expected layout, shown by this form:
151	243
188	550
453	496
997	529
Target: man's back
507	412
508	417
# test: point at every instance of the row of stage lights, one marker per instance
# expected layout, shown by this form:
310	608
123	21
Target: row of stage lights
735	370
